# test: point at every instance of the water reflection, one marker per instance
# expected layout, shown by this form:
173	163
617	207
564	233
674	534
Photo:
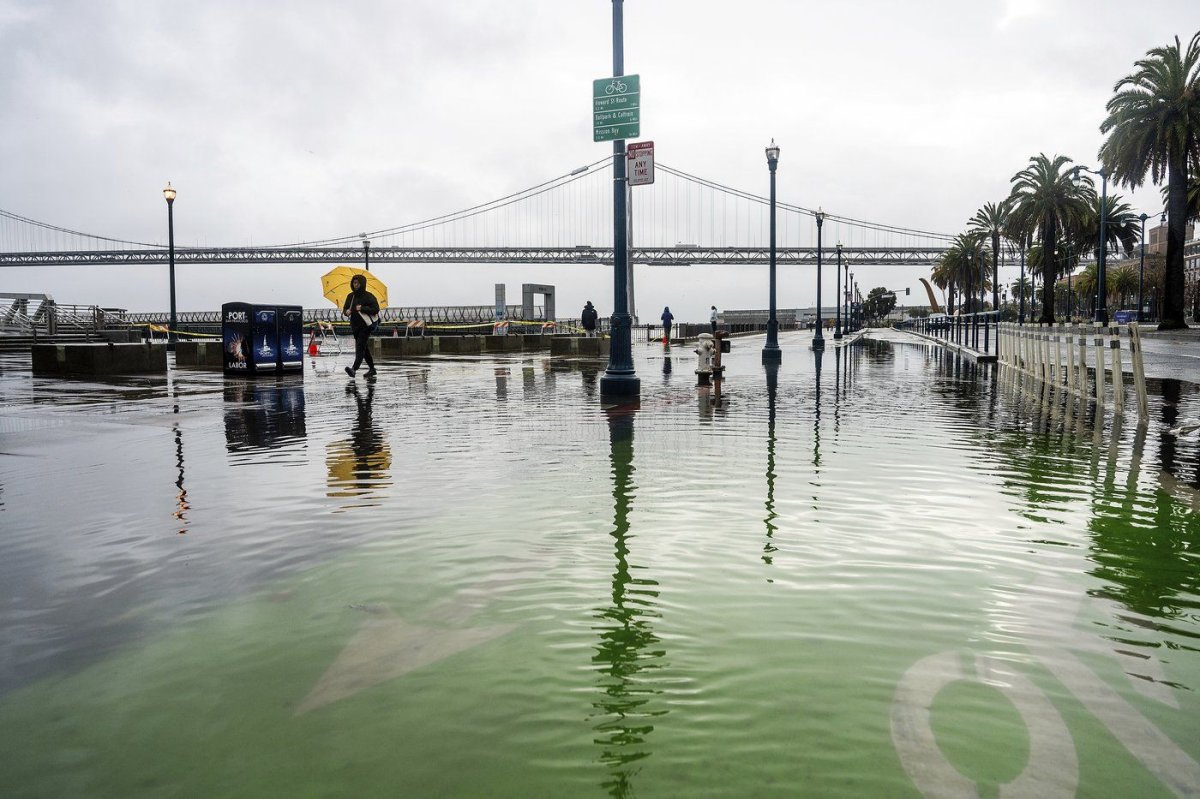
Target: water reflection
1143	542
359	467
769	548
817	356
181	501
263	415
628	650
591	375
502	383
666	370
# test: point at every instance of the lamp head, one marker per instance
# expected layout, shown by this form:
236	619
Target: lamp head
1144	217
1075	176
169	193
1163	221
819	216
772	153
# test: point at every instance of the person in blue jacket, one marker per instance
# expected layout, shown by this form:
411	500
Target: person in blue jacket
667	319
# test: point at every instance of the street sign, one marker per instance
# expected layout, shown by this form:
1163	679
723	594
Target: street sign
640	167
616	108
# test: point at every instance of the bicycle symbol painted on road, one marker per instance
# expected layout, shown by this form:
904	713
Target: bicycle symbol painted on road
616	87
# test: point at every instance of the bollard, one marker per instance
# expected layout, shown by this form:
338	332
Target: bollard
1083	361
1071	386
1114	343
704	359
1098	341
1139	376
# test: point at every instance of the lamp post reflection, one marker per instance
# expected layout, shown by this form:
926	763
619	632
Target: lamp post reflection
628	650
817	356
181	501
769	547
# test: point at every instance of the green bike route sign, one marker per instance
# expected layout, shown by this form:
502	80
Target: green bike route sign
616	108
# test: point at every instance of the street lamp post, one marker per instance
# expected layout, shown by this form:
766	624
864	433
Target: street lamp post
169	193
620	380
850	321
1021	312
1101	275
771	352
818	342
837	294
367	254
1142	268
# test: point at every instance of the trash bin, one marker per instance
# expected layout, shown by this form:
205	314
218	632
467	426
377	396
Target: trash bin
249	338
291	338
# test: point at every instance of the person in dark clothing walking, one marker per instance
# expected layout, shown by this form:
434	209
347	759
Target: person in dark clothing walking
667	319
363	310
588	319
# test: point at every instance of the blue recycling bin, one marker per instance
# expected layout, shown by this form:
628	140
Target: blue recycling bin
290	319
249	338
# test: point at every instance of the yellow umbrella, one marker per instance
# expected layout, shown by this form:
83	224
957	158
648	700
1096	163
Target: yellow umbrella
336	285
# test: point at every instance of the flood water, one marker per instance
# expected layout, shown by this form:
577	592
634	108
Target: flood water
889	574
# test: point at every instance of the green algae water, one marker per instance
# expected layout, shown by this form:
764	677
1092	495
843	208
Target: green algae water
883	573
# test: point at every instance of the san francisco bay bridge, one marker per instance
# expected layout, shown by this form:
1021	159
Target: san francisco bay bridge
681	219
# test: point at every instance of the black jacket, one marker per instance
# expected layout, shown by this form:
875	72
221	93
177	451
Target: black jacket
588	318
369	304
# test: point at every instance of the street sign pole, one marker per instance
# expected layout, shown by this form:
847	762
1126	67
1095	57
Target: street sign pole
619	380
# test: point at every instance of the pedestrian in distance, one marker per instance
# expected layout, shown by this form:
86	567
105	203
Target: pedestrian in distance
588	319
667	319
712	319
362	309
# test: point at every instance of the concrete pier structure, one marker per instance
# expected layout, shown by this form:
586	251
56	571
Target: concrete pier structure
99	359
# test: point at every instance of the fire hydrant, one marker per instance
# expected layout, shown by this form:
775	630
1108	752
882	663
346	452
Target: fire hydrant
706	352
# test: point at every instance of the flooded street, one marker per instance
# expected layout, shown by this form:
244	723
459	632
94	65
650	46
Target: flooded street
880	573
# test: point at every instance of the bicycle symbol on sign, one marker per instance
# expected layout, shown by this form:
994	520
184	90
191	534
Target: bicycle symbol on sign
616	87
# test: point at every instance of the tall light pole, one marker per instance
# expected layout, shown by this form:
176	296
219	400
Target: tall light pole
619	379
818	342
366	254
837	295
1101	275
1021	313
169	193
1142	267
771	352
851	322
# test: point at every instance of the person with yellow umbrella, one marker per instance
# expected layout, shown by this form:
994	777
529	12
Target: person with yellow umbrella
363	310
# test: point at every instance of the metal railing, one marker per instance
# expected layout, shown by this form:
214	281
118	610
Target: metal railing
976	331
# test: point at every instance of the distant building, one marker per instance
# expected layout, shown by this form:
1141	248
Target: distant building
1156	243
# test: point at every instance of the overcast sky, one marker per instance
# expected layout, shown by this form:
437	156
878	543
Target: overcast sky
286	121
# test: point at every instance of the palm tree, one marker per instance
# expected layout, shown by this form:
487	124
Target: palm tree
1122	227
1085	284
1044	197
1124	280
991	221
970	262
1153	126
957	270
1193	194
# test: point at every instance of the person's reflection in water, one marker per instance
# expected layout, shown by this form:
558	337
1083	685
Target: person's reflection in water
502	383
591	374
772	387
359	467
666	368
628	651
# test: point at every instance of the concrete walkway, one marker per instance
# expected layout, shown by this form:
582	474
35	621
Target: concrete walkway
1174	353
